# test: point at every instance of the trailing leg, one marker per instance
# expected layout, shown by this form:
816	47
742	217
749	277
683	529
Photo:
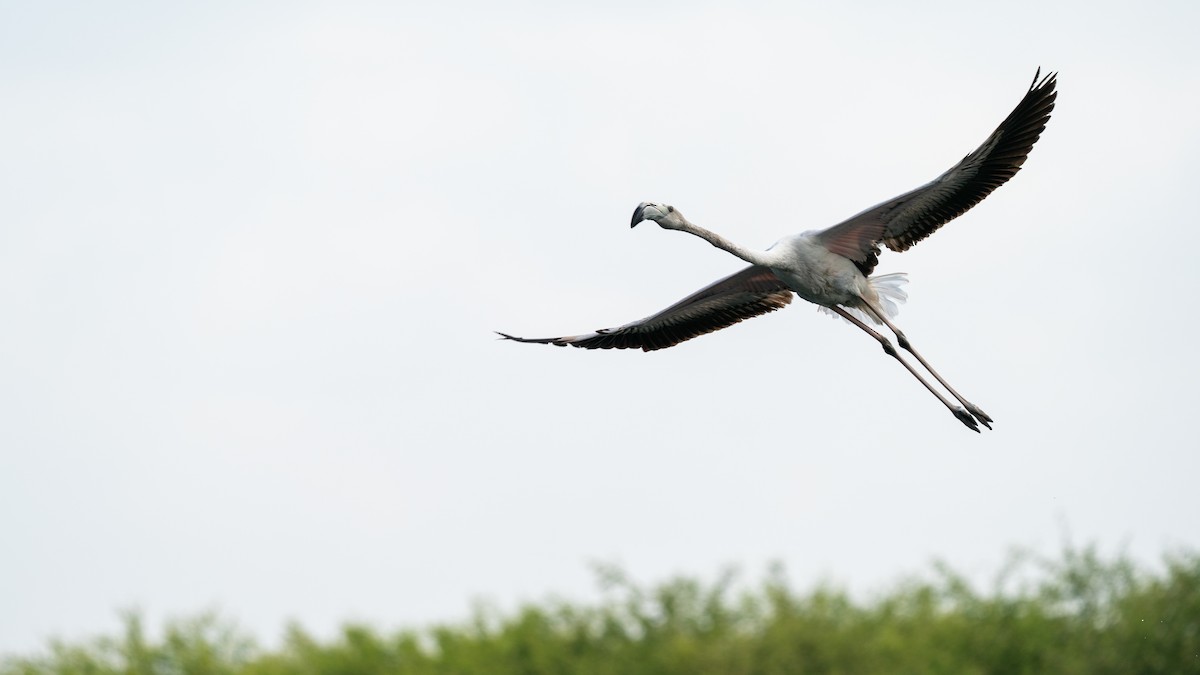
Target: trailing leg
961	414
975	410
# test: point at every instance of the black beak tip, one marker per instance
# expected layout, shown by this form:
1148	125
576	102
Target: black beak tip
637	215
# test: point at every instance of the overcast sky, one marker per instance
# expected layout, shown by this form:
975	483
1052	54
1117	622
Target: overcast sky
251	255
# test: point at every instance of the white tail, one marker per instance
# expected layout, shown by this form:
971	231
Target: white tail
889	288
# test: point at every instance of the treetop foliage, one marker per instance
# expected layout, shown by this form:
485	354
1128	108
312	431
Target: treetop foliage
1077	614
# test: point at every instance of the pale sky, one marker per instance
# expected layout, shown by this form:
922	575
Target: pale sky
251	255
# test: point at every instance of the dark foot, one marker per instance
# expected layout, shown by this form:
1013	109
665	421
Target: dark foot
965	417
979	415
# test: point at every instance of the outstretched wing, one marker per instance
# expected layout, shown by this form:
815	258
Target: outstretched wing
905	220
753	291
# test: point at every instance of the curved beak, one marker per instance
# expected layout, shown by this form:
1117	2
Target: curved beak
638	214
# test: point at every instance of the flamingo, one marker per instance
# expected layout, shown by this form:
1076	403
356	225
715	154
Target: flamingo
832	267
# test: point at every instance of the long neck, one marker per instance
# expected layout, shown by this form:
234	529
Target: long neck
749	255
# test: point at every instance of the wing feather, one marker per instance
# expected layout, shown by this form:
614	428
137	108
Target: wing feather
748	293
903	221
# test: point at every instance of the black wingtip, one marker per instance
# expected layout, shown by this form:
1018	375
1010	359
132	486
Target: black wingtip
540	341
1040	82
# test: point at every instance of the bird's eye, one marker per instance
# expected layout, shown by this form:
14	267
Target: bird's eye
670	209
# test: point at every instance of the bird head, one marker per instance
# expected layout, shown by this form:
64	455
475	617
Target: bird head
666	216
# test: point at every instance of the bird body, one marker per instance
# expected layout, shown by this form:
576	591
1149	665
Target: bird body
816	274
832	268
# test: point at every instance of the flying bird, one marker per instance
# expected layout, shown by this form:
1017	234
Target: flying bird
832	267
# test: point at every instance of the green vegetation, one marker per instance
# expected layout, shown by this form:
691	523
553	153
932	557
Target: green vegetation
1076	614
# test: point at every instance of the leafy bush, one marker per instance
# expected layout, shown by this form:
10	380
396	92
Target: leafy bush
1078	614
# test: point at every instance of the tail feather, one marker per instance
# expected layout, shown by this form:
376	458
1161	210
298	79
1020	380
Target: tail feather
890	290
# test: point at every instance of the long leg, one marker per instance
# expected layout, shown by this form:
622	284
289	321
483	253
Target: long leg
962	415
906	346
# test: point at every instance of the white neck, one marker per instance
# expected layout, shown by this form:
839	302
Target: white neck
749	255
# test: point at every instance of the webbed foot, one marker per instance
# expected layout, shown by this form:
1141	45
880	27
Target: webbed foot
979	415
965	417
